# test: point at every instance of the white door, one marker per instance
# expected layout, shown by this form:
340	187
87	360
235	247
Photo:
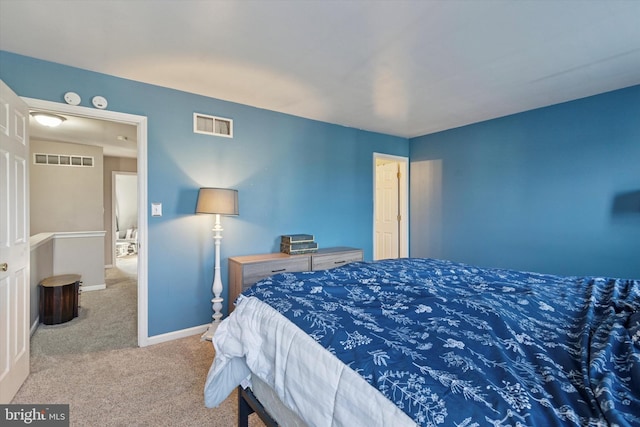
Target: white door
387	211
14	243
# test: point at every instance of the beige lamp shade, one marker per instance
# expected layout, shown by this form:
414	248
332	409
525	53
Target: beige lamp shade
222	201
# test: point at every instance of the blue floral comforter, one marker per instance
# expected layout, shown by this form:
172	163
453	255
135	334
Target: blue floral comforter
453	344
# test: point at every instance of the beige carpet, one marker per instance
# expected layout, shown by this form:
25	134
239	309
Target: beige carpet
92	363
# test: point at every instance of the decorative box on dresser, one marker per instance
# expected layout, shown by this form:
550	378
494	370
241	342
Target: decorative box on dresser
245	271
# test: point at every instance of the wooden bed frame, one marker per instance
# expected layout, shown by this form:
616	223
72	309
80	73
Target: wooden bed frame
248	403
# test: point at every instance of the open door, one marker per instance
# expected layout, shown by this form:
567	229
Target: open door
390	234
14	243
387	210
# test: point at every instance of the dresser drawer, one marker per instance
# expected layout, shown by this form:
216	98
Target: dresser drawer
259	270
325	261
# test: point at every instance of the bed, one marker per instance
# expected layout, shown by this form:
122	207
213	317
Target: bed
431	342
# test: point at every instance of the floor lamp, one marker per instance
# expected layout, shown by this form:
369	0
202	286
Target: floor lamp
217	201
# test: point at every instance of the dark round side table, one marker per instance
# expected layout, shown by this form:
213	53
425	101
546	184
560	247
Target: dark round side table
59	297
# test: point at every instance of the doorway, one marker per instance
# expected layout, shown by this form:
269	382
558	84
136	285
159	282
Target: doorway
140	122
390	206
124	217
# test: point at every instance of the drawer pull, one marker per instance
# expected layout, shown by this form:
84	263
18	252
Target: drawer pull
278	271
340	262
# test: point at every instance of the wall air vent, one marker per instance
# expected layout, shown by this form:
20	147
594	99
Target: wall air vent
62	160
211	125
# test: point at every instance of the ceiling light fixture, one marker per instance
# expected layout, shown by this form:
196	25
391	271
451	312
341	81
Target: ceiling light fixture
47	119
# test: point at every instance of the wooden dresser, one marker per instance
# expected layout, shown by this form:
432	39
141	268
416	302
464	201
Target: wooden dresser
246	270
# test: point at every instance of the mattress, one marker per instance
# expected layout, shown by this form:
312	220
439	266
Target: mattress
269	399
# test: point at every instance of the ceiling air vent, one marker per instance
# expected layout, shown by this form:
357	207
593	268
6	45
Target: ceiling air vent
211	125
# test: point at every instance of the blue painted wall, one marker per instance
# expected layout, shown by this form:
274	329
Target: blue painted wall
292	174
555	189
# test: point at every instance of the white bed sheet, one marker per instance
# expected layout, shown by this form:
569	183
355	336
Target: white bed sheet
308	379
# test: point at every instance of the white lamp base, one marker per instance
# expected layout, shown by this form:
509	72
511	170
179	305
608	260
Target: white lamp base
208	335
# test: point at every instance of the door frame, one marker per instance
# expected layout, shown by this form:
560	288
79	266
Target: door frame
403	193
141	124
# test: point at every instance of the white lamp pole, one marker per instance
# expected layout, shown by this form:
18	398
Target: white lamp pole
217	283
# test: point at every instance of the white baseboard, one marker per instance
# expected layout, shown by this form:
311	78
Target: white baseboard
170	336
86	288
34	326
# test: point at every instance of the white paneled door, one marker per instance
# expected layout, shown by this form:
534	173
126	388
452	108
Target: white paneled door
390	206
14	243
387	211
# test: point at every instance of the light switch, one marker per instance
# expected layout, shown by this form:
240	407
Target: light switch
156	209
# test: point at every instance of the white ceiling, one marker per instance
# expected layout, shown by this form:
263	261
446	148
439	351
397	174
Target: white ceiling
404	68
116	139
